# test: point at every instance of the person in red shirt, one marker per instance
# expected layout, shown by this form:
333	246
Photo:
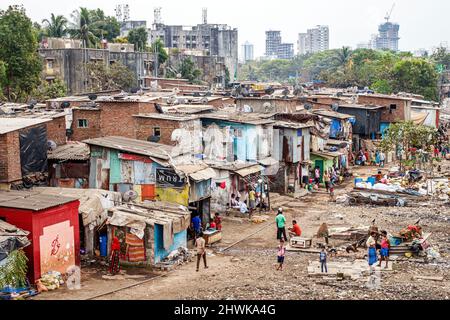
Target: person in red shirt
218	221
295	231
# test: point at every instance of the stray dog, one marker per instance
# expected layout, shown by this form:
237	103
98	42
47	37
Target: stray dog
332	252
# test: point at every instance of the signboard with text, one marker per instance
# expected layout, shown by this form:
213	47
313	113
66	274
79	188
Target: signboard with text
169	178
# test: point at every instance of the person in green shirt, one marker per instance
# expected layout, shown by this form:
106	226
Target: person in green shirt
281	223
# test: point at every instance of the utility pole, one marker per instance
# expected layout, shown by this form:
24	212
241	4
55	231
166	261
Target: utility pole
156	59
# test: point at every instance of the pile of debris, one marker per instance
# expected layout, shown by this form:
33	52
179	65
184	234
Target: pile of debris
52	280
177	257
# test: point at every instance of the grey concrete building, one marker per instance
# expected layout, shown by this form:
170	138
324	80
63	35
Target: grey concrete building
126	26
214	39
285	51
316	40
247	52
69	65
273	41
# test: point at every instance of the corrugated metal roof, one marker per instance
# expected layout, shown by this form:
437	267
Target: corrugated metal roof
250	170
248	118
13	124
70	151
170	117
293	125
145	148
204	174
268	161
327	154
29	200
333	114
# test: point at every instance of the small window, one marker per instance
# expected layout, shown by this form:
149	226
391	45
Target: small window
157	131
393	107
82	123
49	64
315	99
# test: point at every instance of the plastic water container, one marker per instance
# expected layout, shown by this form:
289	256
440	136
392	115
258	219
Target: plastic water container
372	180
358	180
103	245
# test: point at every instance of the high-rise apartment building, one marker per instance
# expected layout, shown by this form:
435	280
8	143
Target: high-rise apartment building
247	52
388	36
285	51
273	40
301	43
276	49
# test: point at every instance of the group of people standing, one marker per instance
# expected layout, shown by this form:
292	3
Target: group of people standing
294	231
365	157
255	200
373	247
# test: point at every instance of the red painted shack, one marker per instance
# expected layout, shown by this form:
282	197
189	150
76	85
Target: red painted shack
53	223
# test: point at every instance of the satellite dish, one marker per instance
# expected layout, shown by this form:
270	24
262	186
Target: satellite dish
129	195
92	97
51	145
269	90
179	75
335	107
196	94
65	104
134	90
153	139
32	104
267	106
247	108
308	106
208	94
158	108
204	100
339	94
171	100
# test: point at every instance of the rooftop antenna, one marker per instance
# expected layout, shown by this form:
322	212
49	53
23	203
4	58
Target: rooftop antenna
388	14
157	15
205	15
126	12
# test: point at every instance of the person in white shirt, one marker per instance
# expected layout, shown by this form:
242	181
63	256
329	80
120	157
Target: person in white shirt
243	207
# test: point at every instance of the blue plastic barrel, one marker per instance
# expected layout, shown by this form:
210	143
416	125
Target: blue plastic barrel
103	245
372	180
358	180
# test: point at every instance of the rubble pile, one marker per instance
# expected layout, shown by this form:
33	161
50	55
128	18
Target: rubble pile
177	257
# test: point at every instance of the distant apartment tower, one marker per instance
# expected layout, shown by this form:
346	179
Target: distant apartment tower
275	48
127	26
388	36
317	39
301	43
273	41
211	39
285	51
247	52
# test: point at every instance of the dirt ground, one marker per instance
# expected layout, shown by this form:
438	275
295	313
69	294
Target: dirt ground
247	270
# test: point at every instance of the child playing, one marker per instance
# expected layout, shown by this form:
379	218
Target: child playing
323	260
281	253
384	252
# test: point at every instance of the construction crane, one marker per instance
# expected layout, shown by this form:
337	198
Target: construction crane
388	14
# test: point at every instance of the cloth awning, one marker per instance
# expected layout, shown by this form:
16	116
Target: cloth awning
249	170
202	175
418	117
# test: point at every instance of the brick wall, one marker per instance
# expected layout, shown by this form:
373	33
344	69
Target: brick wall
144	129
401	113
116	119
147	107
93	129
56	130
10	169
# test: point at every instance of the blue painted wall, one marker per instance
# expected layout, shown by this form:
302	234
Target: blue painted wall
179	240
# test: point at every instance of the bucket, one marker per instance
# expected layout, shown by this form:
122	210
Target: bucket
103	245
372	180
358	180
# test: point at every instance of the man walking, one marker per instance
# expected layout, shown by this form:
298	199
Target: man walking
281	223
323	260
382	159
200	244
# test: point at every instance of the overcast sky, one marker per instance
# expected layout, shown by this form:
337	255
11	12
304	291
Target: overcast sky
423	23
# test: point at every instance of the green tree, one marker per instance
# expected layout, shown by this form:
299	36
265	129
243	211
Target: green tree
343	56
52	90
116	76
83	27
415	75
189	71
441	56
158	46
121	40
138	37
406	135
18	51
106	27
56	26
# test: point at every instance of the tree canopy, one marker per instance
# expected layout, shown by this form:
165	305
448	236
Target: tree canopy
138	37
18	50
116	76
56	26
383	71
